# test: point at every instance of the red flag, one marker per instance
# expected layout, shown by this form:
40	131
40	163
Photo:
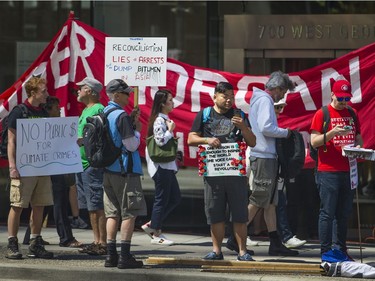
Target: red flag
77	51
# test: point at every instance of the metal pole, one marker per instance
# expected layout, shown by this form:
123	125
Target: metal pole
359	225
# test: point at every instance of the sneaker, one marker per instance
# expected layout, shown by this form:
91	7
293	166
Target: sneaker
232	245
149	231
97	250
161	240
245	257
294	242
212	256
129	262
27	242
335	255
12	249
86	248
251	243
36	249
280	250
111	261
79	223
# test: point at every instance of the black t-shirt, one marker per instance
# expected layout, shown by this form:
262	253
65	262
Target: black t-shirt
218	126
32	112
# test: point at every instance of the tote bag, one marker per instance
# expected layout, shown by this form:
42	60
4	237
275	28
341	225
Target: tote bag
162	154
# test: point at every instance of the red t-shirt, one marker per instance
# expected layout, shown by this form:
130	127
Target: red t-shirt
332	160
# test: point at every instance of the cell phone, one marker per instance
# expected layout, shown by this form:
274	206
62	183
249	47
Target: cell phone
348	128
237	112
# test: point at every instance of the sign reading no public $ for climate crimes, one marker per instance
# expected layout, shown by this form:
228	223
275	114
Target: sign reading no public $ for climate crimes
47	146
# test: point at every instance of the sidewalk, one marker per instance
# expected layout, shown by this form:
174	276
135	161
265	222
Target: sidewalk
68	264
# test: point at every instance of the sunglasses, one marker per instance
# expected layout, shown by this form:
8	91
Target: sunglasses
279	107
343	99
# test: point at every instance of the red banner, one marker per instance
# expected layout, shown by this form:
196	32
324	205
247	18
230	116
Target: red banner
77	51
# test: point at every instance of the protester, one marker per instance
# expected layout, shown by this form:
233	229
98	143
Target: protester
123	194
75	220
289	240
60	188
263	158
90	181
167	190
333	175
34	190
224	126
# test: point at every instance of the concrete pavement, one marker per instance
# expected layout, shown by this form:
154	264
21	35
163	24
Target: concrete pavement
68	264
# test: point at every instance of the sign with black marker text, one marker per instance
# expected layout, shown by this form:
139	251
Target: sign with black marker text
47	146
227	160
139	61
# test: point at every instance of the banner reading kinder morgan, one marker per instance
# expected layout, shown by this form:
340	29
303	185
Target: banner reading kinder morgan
78	50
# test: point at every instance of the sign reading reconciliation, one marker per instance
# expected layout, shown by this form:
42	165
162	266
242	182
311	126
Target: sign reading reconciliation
139	61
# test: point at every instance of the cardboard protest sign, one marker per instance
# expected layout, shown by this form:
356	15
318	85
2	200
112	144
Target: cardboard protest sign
139	61
227	160
47	146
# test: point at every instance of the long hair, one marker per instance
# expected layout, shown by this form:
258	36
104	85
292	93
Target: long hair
160	98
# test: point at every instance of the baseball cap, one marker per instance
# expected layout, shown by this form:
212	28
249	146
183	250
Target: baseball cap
118	86
342	89
94	84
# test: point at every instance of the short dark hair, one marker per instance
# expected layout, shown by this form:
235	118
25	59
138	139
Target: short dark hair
222	87
51	101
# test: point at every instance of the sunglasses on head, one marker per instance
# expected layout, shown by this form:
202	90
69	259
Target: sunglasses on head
278	107
343	99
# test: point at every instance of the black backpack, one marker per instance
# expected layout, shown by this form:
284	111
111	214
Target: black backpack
326	121
4	130
97	141
291	155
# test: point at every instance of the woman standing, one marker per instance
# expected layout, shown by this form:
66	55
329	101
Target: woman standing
167	190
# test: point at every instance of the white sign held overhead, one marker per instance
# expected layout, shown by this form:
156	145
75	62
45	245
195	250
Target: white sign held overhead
47	146
139	61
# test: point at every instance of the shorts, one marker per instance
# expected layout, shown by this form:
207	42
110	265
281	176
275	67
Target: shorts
36	191
123	196
264	187
222	191
90	189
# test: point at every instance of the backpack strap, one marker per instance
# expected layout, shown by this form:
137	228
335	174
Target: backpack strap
111	110
326	120
123	172
24	110
207	114
354	116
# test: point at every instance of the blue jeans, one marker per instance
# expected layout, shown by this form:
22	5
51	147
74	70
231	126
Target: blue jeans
90	189
336	202
167	196
283	227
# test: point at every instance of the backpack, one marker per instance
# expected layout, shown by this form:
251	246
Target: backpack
97	141
291	155
4	130
326	121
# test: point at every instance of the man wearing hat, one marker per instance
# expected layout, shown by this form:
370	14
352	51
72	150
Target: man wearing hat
123	194
89	182
333	175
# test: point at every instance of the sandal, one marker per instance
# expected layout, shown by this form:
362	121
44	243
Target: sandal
72	244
